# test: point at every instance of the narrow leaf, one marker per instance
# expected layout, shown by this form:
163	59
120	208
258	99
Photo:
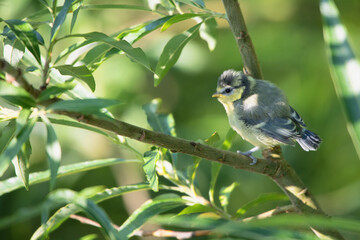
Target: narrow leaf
150	160
344	66
196	3
89	206
60	18
26	34
6	134
114	6
15	145
135	54
79	72
64	213
181	17
55	90
259	200
75	8
171	53
146	211
196	208
53	151
164	123
14	183
13	51
85	106
16	95
208	32
215	170
225	193
21	164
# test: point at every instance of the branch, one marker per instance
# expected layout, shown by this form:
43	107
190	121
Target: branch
243	40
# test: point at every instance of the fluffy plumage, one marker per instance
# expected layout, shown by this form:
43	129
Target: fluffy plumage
259	112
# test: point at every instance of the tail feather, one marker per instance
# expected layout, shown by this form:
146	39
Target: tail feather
309	141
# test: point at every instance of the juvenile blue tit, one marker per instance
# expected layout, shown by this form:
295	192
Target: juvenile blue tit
259	112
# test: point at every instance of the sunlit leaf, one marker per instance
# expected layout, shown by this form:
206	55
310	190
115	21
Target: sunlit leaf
196	208
150	160
26	34
215	170
266	197
75	8
147	210
159	122
135	54
196	3
13	51
114	6
64	213
171	53
14	183
79	72
60	18
16	95
179	18
15	145
344	66
225	193
53	151
208	32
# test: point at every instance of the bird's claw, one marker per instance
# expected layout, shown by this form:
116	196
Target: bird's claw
248	154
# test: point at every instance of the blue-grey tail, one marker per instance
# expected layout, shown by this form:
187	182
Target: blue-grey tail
309	141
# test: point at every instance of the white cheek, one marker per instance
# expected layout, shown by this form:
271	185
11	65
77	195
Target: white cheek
251	102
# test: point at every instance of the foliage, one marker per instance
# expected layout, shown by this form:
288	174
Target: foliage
66	83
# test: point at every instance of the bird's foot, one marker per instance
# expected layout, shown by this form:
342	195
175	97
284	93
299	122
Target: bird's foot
249	154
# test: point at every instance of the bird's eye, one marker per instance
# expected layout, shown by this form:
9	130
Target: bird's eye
228	90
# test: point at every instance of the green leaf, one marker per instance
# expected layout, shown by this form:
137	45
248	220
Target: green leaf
167	4
225	193
96	56
60	18
84	106
14	183
6	134
171	53
13	51
75	8
344	66
148	210
21	164
229	138
15	145
208	32
215	170
16	95
64	213
87	205
164	123
135	54
79	72
181	17
196	3
150	160
53	151
213	139
135	33
259	200
196	208
55	90
26	34
114	6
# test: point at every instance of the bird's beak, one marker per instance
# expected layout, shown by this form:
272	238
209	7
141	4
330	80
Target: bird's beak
217	94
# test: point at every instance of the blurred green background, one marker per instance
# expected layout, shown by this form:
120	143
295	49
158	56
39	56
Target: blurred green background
287	35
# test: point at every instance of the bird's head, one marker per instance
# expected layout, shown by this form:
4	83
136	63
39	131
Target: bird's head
233	85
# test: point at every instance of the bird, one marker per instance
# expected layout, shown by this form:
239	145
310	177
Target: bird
260	113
